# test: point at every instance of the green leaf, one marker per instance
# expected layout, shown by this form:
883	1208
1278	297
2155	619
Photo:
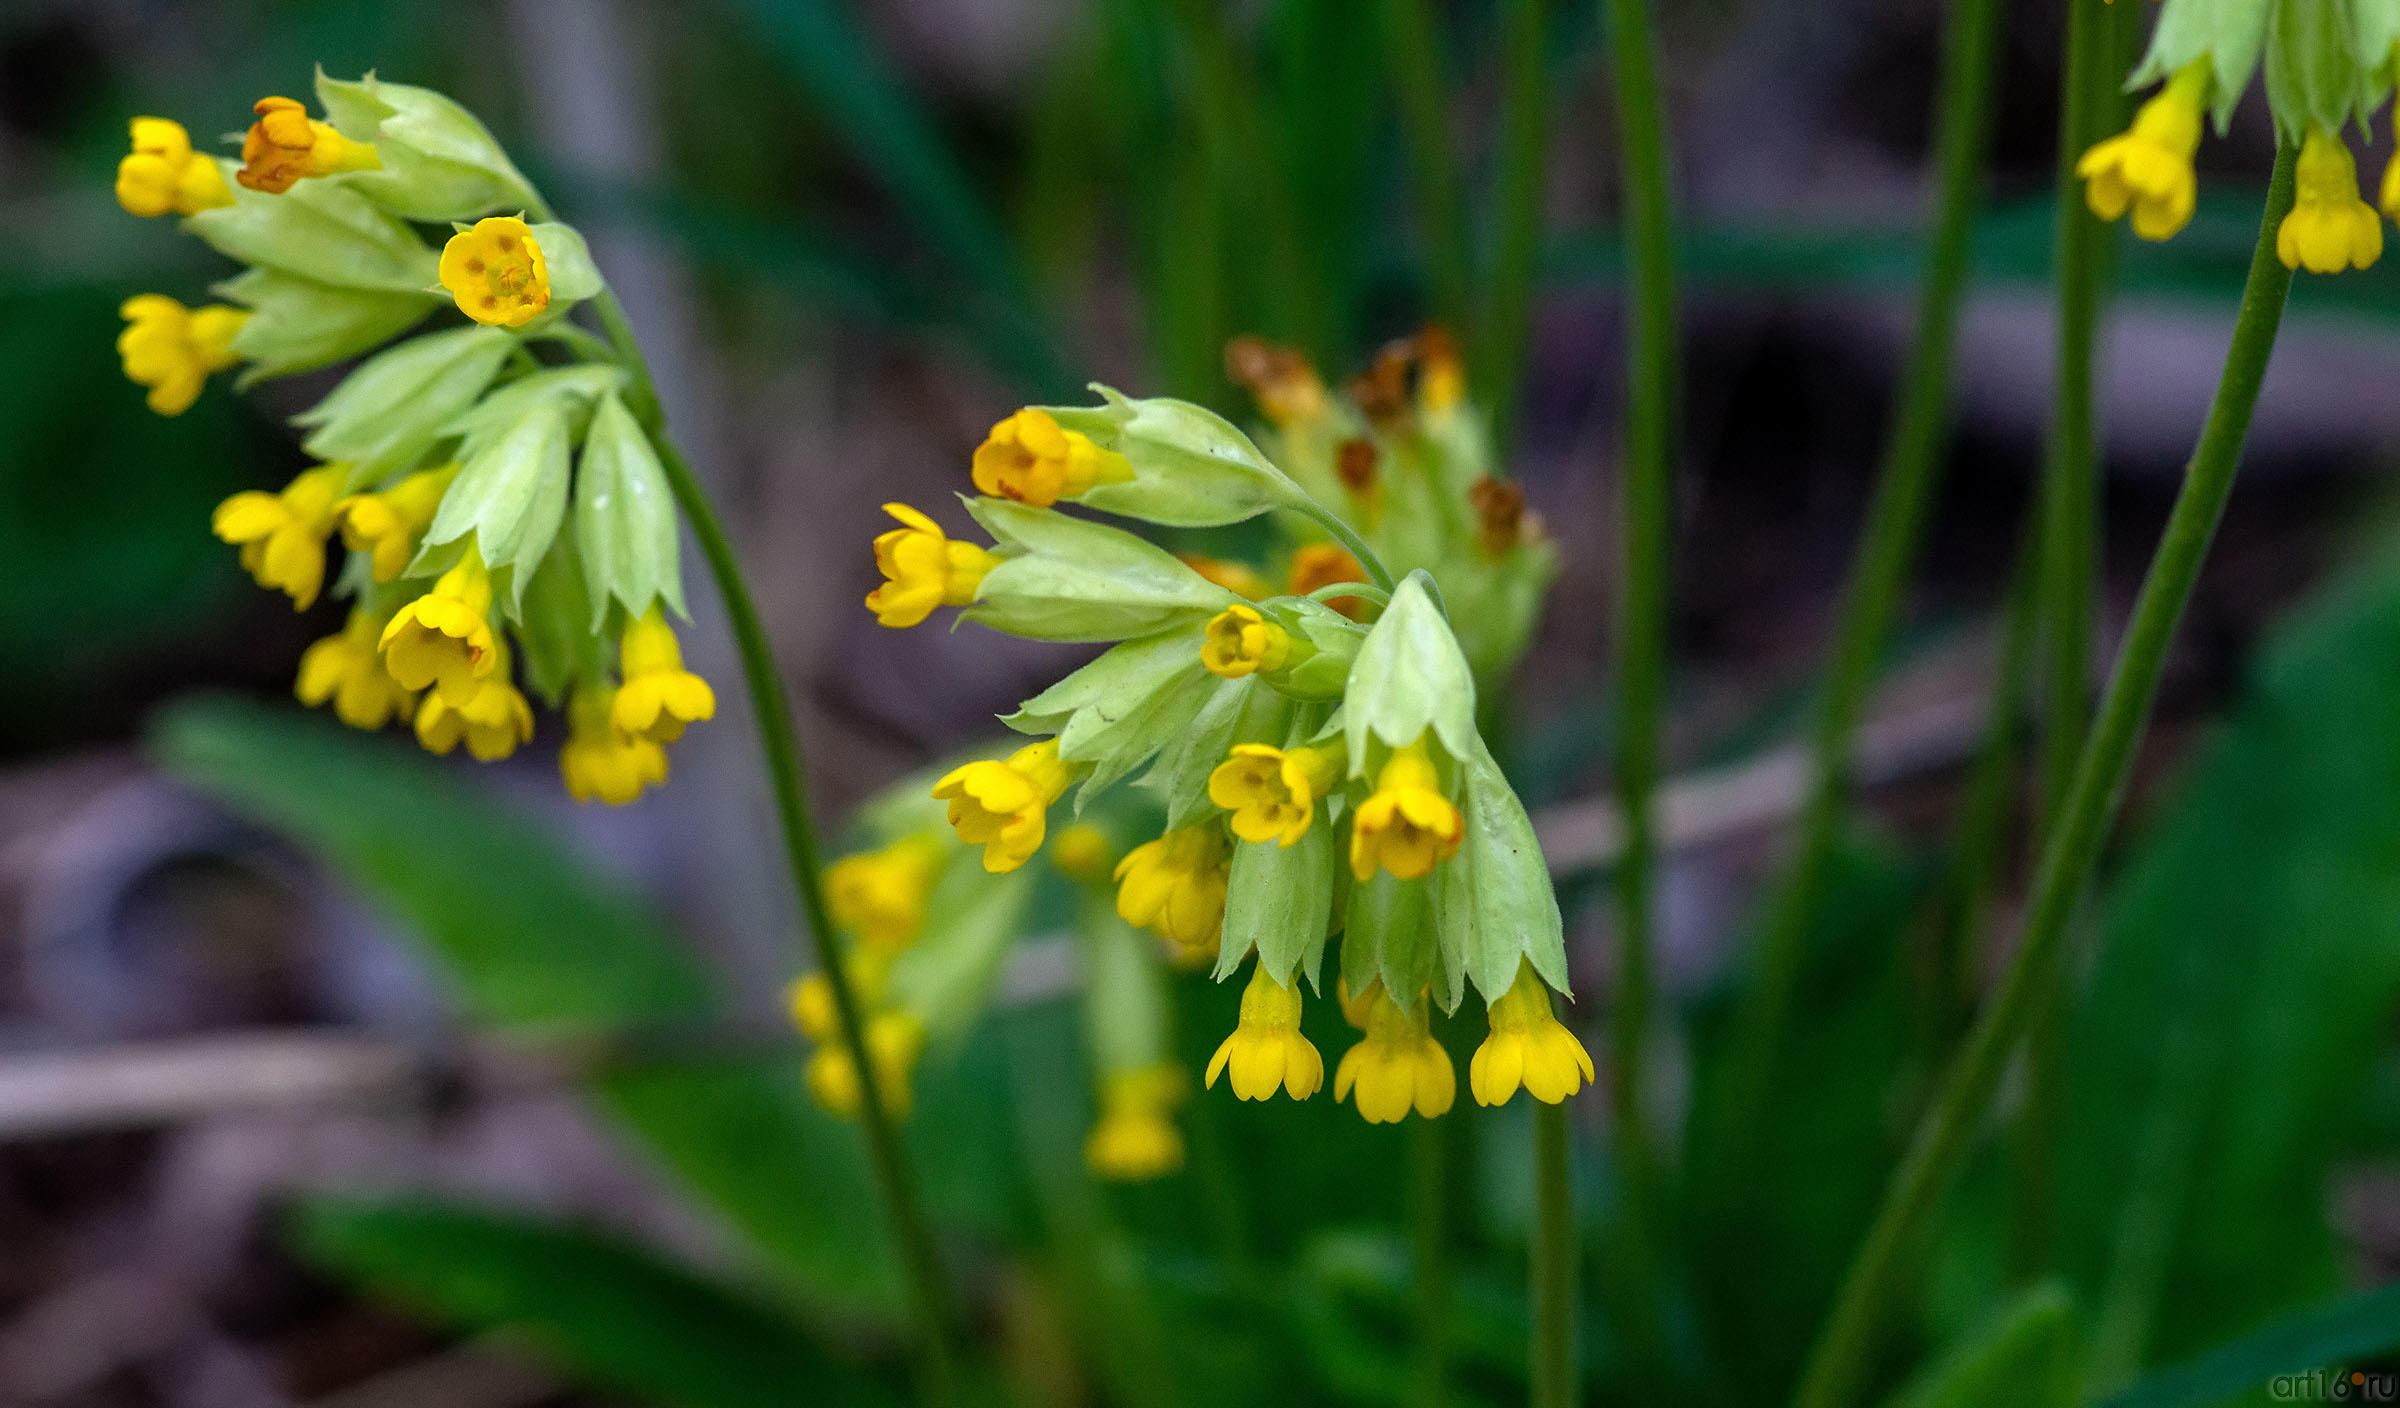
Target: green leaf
600	1308
539	946
2026	1356
2329	1337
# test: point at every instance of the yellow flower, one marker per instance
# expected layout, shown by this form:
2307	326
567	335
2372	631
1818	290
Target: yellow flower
1399	1066
894	1042
1407	826
162	173
1240	578
1528	1047
810	997
2329	228
282	535
880	895
348	670
1441	376
1027	457
596	761
2389	197
1084	852
496	272
285	144
1273	792
385	524
172	349
659	696
1004	807
1266	1050
1175	887
1240	641
1287	389
493	721
2148	167
1135	1141
444	638
923	568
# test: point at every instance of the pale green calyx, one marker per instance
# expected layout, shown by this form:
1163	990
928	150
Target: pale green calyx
1192	468
511	490
395	405
297	324
2314	77
1067	579
438	161
1493	900
624	517
319	229
1324	645
1280	900
1121	710
2228	33
1410	676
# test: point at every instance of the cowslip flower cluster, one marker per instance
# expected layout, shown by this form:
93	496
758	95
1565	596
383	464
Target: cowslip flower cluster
497	502
2328	63
1301	740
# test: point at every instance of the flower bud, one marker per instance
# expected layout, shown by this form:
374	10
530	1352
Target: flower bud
438	161
1191	467
1068	579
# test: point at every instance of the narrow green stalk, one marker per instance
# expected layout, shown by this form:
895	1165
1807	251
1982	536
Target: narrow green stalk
1428	1152
1499	358
1887	548
1348	537
1646	515
921	1256
1412	42
1838	1369
1553	1262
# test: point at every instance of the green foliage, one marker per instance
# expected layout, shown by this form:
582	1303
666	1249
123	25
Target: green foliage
2328	1337
598	1307
2026	1356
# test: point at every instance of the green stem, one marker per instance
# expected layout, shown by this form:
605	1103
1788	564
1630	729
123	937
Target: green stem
1886	550
1553	1262
1499	361
1412	42
1647	526
1348	537
1838	1369
921	1256
1427	1153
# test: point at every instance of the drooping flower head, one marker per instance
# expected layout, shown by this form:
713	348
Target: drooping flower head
1136	1139
880	895
1408	824
1273	792
1004	806
1266	1051
597	762
282	535
1398	1066
1529	1047
2148	167
172	349
386	524
1175	887
348	670
285	145
163	175
659	696
1030	459
923	568
1241	641
497	273
444	638
2329	228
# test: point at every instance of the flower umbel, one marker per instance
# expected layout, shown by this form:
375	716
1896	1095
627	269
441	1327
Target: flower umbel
1135	1141
659	696
1273	792
1030	459
1241	641
172	349
1407	826
1004	806
923	568
1175	887
597	762
162	173
285	144
2148	167
386	524
1527	1047
2329	228
1266	1050
496	272
348	670
1398	1067
880	895
444	638
282	535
